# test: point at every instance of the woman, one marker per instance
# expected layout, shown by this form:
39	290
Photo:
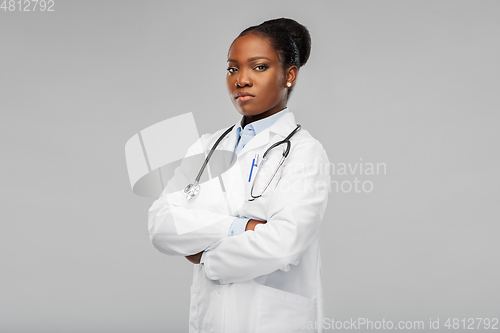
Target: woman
255	248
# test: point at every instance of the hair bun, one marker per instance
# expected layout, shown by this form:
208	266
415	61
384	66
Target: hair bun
299	33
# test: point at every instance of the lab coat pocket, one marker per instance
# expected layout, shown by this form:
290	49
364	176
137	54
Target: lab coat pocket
193	311
281	311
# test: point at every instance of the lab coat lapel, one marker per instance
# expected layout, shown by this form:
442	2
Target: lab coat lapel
259	140
284	126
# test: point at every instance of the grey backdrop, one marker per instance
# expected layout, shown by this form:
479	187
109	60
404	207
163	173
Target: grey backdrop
412	84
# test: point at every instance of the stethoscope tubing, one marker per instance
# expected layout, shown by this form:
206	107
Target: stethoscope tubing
197	180
285	155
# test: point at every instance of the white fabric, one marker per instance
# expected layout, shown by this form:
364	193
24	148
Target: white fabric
267	280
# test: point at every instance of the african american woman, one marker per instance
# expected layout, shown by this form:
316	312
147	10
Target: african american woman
252	232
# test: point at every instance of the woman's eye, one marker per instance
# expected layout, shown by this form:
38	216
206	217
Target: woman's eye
231	69
262	67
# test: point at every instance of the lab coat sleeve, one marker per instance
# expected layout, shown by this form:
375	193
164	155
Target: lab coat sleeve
295	211
238	226
178	227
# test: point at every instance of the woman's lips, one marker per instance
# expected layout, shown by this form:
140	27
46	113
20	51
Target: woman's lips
244	98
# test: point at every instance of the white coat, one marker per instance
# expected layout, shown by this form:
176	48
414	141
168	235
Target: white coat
266	280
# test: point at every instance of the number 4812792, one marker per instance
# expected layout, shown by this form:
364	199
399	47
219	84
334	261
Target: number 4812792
27	5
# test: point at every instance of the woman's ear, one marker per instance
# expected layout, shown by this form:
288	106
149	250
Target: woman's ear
291	75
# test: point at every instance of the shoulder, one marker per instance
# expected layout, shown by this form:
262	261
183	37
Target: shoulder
307	158
303	143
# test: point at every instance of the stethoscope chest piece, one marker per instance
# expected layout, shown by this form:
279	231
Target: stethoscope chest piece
191	191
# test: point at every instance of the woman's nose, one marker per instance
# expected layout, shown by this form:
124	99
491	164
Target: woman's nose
243	79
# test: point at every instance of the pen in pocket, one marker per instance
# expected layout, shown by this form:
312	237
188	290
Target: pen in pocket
254	164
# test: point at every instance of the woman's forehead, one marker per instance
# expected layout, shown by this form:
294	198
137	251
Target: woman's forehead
250	46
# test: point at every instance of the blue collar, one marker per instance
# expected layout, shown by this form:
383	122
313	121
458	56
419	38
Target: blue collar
260	125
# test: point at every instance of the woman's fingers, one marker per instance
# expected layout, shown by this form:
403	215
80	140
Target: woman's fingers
252	223
195	258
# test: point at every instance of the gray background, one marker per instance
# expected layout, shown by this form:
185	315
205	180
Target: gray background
412	84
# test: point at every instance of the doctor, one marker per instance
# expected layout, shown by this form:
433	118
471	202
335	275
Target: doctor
257	264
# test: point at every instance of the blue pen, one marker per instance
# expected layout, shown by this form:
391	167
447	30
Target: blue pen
254	164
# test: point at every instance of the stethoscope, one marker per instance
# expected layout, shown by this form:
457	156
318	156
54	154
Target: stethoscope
193	189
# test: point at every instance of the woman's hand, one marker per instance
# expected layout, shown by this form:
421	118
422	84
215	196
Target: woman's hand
195	258
252	223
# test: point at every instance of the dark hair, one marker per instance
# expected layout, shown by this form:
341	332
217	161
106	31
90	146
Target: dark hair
290	38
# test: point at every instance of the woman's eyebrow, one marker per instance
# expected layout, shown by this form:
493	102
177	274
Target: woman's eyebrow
249	59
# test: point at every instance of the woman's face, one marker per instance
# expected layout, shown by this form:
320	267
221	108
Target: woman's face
254	68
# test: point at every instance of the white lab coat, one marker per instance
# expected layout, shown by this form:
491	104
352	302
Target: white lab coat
267	280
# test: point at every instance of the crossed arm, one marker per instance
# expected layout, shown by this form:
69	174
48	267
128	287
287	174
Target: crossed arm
295	210
195	258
